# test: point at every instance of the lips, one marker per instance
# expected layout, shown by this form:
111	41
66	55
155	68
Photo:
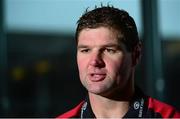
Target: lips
95	77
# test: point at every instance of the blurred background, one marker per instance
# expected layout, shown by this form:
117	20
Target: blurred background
38	70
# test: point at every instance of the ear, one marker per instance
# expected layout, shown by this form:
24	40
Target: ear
136	54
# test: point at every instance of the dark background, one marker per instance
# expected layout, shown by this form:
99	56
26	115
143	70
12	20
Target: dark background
39	76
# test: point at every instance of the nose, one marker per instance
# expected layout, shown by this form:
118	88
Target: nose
97	60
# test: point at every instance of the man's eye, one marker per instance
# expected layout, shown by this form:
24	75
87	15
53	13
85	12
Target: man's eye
111	51
85	50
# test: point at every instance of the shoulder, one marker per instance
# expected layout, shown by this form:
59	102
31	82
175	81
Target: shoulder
75	112
165	110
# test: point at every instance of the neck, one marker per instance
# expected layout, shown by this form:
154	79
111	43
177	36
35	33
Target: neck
105	108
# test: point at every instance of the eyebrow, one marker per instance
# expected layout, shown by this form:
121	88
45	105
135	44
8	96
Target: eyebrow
106	45
82	46
112	45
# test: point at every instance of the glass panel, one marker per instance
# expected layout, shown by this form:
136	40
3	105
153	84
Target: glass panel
170	35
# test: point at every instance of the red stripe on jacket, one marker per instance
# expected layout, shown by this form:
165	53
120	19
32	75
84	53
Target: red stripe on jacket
75	112
165	110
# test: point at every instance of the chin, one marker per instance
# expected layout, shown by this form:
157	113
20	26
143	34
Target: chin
97	91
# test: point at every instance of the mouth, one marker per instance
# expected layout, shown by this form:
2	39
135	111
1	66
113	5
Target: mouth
96	77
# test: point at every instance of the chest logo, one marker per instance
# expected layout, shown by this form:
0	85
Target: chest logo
136	105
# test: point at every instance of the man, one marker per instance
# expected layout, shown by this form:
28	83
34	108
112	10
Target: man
108	50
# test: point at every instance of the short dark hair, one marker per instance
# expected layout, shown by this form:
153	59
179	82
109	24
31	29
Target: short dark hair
110	17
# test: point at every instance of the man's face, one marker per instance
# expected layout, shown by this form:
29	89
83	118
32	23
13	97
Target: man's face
103	62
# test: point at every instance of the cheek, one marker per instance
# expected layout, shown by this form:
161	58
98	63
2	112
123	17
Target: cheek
114	66
114	69
82	64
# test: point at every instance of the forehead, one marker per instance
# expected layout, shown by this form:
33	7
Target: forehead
99	35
